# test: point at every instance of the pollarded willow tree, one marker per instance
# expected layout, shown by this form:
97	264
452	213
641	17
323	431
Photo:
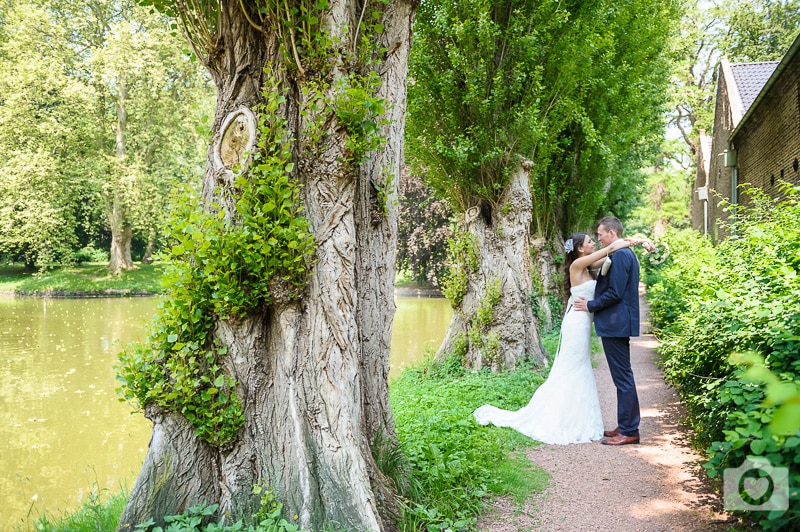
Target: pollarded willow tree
531	118
268	362
472	125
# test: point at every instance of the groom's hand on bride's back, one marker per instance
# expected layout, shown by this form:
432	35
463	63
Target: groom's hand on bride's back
580	304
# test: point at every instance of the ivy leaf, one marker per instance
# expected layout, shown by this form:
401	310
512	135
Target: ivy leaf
758	446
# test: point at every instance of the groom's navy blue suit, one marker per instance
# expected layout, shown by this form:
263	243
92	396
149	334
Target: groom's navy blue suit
616	319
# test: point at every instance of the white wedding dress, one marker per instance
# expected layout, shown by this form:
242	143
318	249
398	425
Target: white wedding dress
565	408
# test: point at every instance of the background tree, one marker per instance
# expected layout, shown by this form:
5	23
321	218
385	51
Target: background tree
41	122
665	205
105	162
423	230
530	116
742	30
144	85
268	363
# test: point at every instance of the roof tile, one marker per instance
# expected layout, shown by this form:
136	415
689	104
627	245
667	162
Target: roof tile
750	78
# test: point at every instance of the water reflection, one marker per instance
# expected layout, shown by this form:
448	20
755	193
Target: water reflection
419	322
62	427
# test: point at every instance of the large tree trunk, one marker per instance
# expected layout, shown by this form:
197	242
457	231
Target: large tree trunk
121	232
311	372
495	317
121	238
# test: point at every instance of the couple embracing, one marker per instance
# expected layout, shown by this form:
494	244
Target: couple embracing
566	408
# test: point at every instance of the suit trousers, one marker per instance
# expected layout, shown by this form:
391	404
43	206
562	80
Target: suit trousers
618	355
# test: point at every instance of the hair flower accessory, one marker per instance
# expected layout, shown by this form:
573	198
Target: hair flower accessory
568	246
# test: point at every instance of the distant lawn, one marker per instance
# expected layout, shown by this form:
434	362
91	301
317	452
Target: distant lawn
84	279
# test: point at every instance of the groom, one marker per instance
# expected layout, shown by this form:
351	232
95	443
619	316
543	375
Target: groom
616	319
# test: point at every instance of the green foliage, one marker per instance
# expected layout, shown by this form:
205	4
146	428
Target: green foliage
454	462
67	70
743	296
222	265
96	514
759	30
578	88
665	203
359	112
177	371
90	254
204	518
479	333
468	117
391	460
785	395
463	261
681	278
234	260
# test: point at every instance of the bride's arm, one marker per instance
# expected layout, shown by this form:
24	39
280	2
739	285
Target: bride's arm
595	260
596	265
648	245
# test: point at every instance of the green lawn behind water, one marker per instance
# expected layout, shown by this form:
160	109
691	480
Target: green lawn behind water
82	279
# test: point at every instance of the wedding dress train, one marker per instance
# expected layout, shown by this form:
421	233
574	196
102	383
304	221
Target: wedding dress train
565	408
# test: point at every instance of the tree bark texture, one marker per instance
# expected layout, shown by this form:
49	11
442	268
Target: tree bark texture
121	237
121	232
312	371
503	247
546	282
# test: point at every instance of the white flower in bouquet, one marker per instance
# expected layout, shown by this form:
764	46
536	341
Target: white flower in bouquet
659	254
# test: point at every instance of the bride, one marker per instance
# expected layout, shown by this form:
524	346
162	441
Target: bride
565	408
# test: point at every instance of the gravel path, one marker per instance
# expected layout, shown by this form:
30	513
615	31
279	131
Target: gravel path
652	486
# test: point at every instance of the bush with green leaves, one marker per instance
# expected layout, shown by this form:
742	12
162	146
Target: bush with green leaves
742	296
680	278
205	518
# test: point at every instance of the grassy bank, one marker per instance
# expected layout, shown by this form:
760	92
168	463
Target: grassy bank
449	467
87	279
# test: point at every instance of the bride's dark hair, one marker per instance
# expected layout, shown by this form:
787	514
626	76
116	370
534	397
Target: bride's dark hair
577	242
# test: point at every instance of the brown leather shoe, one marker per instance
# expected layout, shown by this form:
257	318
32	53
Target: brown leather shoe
611	433
621	439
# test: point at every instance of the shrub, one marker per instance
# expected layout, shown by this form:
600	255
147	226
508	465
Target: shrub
744	295
90	254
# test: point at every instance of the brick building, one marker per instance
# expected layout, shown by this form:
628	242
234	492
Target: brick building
756	138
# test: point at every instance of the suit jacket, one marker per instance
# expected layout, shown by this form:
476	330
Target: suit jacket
616	297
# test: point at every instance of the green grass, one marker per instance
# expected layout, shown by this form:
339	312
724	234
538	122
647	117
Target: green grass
455	465
98	514
83	279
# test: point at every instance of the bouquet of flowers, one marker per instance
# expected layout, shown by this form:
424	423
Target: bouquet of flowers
659	254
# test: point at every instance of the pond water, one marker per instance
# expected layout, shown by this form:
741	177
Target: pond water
62	428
